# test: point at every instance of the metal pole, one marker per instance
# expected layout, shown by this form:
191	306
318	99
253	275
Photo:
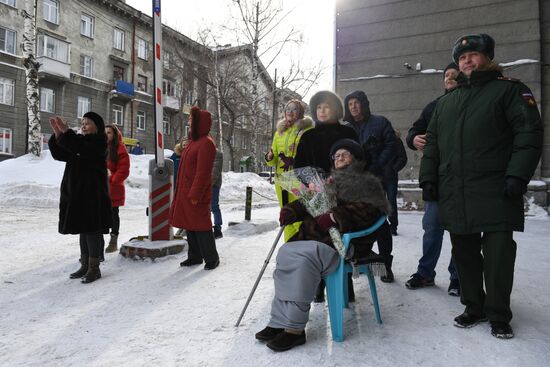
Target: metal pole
157	78
248	203
260	275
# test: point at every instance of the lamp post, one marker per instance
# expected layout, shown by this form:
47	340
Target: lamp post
219	137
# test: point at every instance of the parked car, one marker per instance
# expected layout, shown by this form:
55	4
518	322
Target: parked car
267	175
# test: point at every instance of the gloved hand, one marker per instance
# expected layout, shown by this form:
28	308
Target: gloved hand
429	191
514	186
286	216
324	221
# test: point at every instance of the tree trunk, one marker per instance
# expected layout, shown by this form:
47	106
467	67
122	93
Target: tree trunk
34	145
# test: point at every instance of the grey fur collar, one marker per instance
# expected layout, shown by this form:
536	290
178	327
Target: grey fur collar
300	124
354	184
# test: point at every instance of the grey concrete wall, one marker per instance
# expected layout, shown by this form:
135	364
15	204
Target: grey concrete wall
376	37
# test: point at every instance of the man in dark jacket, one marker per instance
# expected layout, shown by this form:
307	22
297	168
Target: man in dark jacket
433	231
378	140
483	145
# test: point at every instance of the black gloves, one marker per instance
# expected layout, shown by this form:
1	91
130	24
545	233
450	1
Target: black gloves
429	191
514	186
287	216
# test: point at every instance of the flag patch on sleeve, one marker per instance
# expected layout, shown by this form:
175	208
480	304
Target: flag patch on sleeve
529	99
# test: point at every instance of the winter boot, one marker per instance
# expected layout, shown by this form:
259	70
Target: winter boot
217	232
320	292
83	268
351	293
113	243
388	278
287	340
93	272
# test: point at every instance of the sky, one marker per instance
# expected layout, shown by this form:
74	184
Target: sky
315	18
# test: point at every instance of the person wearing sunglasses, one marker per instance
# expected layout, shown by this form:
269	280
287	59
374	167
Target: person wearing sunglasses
283	150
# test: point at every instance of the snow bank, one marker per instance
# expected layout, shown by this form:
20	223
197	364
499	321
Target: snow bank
28	181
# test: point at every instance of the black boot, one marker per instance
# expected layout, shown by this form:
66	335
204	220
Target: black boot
388	278
351	293
93	273
83	268
285	341
320	292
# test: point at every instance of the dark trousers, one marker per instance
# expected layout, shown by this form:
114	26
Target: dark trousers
116	220
215	207
490	256
202	246
384	239
91	244
391	191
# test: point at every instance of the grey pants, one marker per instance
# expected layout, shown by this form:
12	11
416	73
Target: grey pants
300	266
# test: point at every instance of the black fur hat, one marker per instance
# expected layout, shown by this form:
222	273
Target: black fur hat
329	97
351	146
452	65
98	121
474	42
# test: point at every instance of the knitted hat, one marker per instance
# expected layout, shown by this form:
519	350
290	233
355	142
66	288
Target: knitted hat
452	65
474	42
351	146
329	97
98	121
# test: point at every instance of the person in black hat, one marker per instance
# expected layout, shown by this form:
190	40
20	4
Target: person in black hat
432	239
84	206
483	144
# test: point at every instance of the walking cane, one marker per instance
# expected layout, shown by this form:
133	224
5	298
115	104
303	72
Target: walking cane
260	275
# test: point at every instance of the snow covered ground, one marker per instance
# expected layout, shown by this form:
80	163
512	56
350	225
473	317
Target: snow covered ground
145	313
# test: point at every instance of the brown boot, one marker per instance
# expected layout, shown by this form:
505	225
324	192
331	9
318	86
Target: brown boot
83	268
93	273
113	243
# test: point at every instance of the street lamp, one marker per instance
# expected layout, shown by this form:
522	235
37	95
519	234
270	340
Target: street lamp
216	75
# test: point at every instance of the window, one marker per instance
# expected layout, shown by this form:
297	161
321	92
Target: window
243	142
6	91
188	97
84	105
47	100
232	140
166	125
142	83
118	39
5	140
166	60
187	131
118	115
50	11
86	66
118	72
7	40
168	88
87	25
140	120
142	49
8	2
53	48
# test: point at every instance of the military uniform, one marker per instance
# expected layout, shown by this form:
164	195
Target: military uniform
487	130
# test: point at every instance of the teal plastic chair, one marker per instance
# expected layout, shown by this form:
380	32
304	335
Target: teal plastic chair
337	285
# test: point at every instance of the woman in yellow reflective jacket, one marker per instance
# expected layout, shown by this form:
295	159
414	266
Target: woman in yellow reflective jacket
283	150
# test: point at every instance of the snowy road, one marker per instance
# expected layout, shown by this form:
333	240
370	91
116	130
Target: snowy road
144	313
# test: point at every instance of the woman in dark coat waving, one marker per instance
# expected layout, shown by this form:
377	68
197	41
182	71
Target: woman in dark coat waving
84	206
193	194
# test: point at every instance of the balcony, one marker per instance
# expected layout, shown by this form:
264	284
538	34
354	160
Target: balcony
50	68
123	90
170	102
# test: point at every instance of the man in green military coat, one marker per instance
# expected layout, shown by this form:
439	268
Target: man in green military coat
484	142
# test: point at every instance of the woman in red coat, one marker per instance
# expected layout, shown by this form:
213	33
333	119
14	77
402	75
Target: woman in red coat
118	165
191	205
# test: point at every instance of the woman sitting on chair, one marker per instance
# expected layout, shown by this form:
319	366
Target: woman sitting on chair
310	254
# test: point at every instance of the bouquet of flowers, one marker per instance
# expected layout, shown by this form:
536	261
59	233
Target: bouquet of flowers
311	188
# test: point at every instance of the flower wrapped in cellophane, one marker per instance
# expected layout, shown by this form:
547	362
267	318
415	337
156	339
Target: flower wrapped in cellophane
318	197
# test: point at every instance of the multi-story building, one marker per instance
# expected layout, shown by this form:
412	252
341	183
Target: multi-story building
95	55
